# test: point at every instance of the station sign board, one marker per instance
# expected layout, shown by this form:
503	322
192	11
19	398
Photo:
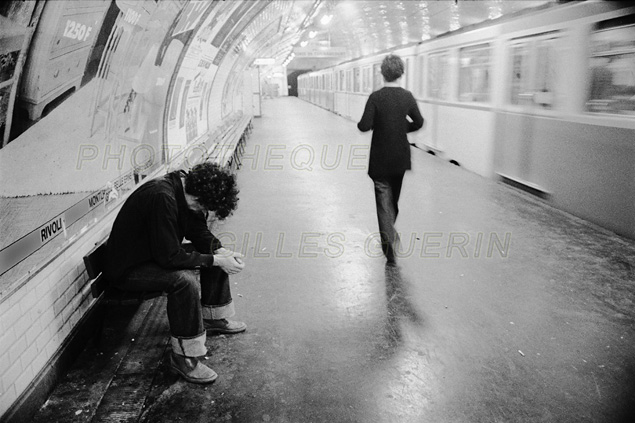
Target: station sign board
319	51
34	240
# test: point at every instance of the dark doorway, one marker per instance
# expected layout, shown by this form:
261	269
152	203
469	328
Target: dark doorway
292	81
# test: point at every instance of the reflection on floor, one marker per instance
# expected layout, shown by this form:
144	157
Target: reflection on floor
501	309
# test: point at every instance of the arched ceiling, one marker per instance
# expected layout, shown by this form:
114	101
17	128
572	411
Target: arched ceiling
363	27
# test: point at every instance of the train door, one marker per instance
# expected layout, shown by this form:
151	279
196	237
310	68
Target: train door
530	96
349	90
314	82
378	79
336	86
340	102
320	90
330	91
438	90
367	82
404	82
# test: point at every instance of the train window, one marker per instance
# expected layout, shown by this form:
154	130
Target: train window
420	76
349	80
520	70
366	80
404	82
342	81
336	83
439	76
534	72
474	80
378	78
356	81
612	70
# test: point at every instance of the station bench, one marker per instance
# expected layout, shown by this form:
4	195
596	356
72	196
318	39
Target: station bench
229	148
101	290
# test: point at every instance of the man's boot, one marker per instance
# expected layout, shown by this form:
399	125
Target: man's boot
192	369
224	326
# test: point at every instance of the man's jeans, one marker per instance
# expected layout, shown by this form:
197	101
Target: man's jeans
387	191
189	301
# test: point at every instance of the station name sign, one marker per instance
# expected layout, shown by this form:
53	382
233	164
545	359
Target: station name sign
320	51
30	243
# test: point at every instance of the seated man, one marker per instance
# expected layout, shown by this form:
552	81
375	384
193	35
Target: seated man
145	254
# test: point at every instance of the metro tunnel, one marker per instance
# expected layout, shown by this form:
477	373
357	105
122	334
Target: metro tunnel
506	296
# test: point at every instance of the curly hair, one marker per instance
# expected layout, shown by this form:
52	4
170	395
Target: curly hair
214	187
392	67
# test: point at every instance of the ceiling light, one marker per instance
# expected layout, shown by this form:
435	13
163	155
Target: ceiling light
304	43
312	34
454	18
326	19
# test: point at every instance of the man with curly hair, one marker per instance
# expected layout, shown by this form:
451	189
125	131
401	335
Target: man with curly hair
386	114
145	253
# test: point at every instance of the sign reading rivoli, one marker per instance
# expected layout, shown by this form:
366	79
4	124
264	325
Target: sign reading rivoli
52	228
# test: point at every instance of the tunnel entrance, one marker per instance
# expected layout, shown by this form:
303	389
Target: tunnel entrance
292	81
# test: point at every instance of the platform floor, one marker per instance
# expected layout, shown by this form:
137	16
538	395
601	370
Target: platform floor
501	309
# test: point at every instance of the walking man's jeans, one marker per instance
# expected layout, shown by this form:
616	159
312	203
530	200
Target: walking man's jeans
192	296
387	191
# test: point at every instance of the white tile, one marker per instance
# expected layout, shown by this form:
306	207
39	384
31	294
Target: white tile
7	398
12	374
24	379
17	348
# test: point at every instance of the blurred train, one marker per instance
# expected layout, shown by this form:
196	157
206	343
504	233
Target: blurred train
543	100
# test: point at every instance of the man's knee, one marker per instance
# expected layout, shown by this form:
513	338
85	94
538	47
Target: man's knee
185	280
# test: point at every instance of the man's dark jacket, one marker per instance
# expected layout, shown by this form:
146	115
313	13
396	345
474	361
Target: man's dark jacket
385	113
150	227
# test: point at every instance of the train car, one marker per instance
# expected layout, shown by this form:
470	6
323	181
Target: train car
543	100
318	88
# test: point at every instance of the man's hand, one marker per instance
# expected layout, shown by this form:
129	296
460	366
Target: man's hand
231	262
